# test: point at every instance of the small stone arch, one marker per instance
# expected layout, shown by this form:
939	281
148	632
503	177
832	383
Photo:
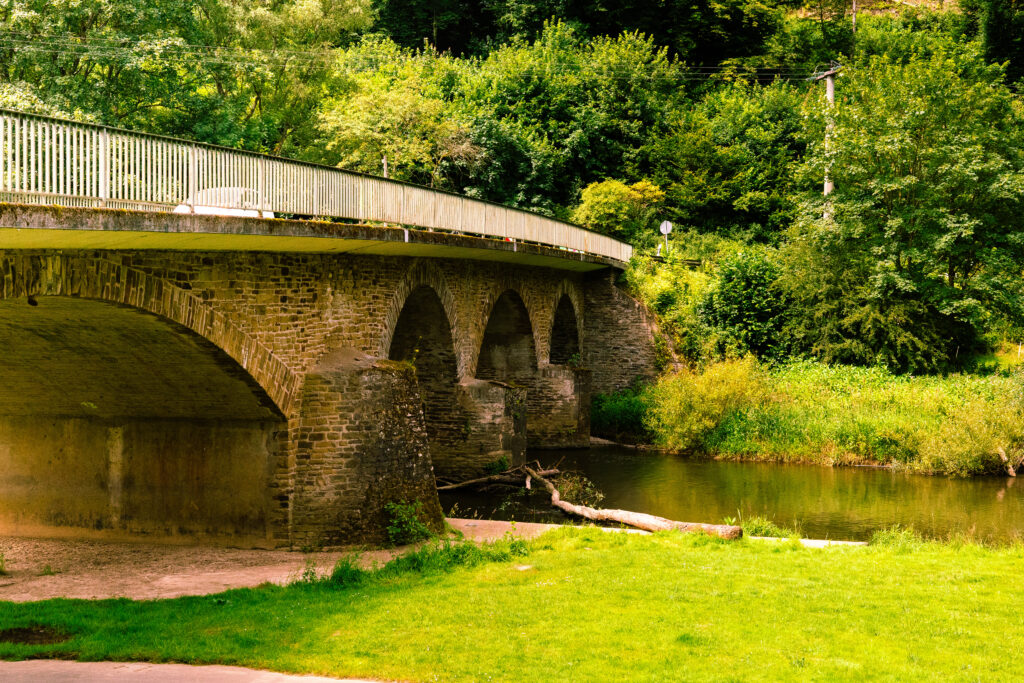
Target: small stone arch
533	305
565	338
423	274
115	283
508	349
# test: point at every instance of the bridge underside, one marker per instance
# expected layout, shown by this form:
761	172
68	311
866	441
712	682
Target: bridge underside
114	420
275	399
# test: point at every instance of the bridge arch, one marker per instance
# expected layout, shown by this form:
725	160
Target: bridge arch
116	419
508	349
107	281
424	274
565	338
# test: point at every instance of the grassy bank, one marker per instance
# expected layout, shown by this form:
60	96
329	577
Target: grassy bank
591	606
810	412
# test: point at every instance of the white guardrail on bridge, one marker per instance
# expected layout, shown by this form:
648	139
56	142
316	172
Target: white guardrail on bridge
44	160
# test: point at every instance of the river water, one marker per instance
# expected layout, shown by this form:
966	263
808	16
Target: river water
842	503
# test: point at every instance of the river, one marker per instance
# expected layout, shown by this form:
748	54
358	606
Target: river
841	503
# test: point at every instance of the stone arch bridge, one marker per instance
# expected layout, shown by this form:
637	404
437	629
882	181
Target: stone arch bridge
276	397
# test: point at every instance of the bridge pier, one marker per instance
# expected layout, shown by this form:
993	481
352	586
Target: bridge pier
558	407
359	442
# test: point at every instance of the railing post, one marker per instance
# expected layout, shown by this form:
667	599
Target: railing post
104	166
261	185
193	177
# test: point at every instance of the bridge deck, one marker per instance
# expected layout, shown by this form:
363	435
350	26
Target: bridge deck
24	226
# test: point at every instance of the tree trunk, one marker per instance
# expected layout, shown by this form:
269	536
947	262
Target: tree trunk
638	520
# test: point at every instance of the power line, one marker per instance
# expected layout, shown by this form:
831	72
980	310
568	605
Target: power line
248	57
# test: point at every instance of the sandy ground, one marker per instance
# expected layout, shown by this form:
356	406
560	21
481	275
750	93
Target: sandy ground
39	569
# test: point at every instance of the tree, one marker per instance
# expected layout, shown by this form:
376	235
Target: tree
923	241
626	212
727	165
394	110
1003	33
747	306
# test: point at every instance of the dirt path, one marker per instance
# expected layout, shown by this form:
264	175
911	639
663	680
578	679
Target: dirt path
39	569
54	671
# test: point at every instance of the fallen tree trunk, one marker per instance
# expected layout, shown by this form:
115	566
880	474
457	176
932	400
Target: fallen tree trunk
638	520
512	476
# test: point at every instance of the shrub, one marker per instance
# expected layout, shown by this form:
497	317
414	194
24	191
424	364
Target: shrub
685	407
498	466
3	565
347	572
762	526
969	439
405	523
620	416
747	306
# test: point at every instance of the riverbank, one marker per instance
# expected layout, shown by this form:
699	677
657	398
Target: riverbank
581	604
957	425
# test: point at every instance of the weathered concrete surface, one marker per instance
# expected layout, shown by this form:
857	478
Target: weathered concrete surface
25	226
57	671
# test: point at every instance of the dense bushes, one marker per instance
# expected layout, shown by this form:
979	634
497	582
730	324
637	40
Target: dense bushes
685	407
620	416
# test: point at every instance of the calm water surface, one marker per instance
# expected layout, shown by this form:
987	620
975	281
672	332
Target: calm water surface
844	503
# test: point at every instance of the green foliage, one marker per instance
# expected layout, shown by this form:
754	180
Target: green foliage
843	415
562	112
347	572
1003	34
578	489
446	555
898	538
625	212
405	523
621	416
748	307
686	407
762	526
3	565
922	244
727	165
497	466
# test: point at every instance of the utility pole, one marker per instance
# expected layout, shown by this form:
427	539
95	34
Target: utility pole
829	77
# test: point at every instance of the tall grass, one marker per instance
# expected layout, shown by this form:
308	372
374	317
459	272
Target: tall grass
809	412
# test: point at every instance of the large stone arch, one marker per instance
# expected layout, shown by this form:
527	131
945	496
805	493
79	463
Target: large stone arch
33	275
118	417
533	302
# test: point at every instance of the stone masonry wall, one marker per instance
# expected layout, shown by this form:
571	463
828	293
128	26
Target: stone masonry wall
348	440
622	334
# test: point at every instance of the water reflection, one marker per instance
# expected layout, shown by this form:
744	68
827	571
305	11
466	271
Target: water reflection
837	503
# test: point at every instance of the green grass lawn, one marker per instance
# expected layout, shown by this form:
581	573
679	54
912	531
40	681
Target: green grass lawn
596	606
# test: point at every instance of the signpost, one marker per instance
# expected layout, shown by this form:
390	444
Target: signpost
666	228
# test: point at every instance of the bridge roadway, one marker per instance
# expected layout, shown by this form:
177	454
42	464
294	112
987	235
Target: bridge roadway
266	382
